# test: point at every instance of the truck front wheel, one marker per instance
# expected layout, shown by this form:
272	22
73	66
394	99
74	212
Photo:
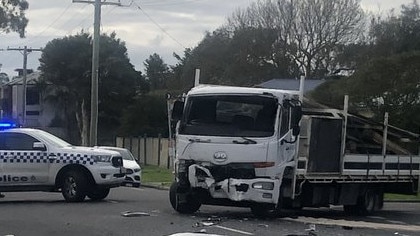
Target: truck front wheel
263	210
74	186
182	201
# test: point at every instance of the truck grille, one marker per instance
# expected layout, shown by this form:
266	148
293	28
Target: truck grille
117	161
238	171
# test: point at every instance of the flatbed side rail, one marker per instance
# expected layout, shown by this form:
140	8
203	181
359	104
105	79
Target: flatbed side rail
367	168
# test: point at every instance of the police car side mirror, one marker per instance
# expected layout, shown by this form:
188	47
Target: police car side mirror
39	146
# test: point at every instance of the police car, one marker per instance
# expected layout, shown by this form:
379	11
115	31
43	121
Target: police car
132	168
35	160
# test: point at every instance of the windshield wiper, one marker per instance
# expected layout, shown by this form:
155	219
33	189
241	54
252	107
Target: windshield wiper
246	141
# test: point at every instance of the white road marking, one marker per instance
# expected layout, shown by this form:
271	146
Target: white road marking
356	224
233	230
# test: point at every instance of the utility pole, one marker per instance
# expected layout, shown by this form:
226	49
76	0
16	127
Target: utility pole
25	53
95	67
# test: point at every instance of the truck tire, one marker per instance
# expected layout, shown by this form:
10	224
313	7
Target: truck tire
189	205
366	204
263	210
97	194
74	186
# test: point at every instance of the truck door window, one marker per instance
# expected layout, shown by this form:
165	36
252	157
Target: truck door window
16	141
285	122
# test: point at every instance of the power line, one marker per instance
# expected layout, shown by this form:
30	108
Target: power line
166	3
54	21
160	27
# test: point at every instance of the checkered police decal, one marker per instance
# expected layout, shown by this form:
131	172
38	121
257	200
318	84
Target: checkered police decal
43	157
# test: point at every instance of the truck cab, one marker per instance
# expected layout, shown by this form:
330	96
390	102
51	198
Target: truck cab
233	146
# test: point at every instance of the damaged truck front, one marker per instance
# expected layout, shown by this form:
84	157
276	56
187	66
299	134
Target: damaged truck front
234	147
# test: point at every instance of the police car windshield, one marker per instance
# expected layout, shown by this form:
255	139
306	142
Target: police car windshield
56	141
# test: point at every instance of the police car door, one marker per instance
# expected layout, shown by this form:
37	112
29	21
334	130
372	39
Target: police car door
22	165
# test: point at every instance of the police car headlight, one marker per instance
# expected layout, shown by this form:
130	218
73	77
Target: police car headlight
101	158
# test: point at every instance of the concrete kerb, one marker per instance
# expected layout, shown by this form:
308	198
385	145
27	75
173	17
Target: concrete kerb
159	186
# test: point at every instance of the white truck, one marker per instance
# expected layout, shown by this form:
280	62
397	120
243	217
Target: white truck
35	160
257	148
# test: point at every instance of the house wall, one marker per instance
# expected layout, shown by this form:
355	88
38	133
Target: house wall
39	114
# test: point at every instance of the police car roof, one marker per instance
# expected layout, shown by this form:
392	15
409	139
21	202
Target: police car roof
22	130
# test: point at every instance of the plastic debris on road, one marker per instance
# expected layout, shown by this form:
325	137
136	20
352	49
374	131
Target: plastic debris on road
134	214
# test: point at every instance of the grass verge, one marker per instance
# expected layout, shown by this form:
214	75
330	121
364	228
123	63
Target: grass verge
157	175
401	197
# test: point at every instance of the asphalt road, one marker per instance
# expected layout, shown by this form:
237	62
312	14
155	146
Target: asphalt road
37	213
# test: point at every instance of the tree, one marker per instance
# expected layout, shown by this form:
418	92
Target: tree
242	58
386	76
66	64
147	115
12	16
156	71
391	85
4	78
308	31
397	34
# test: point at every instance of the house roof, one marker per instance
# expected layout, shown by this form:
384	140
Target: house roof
291	84
30	79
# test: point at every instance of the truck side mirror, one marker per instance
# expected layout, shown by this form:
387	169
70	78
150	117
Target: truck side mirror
296	116
296	130
177	110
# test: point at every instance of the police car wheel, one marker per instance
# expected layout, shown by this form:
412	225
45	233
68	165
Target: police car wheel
98	194
74	186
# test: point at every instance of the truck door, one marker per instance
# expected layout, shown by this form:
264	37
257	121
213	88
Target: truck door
21	164
287	144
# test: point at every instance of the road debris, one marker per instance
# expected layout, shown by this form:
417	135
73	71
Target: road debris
263	225
194	234
396	233
134	213
312	227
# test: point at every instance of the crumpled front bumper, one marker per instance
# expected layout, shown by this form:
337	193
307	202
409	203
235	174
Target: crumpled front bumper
261	190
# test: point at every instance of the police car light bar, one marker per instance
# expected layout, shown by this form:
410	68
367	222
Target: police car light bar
6	125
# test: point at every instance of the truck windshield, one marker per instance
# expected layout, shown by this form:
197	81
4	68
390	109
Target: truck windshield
230	115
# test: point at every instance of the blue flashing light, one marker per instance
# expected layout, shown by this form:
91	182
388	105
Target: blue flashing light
7	125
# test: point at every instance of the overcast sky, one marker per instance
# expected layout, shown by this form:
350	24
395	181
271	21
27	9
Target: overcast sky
160	26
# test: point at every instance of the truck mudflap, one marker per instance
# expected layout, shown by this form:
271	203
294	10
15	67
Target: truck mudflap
262	190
